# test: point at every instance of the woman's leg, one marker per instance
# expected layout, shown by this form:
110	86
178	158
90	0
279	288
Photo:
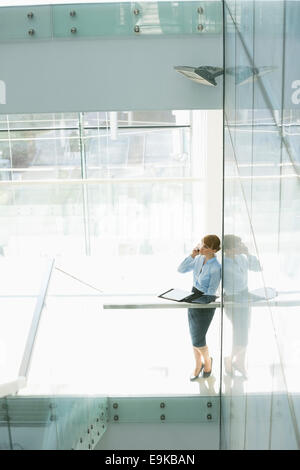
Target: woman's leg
198	359
206	357
241	327
199	321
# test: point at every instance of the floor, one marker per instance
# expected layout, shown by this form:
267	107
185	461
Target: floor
82	348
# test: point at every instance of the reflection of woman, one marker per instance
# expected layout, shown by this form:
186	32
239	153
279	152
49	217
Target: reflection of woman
237	263
206	276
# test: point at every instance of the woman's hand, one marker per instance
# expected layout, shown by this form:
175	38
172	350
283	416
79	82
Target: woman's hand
195	252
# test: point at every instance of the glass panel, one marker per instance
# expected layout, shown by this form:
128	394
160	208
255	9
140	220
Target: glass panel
244	116
137	118
136	153
260	400
287	326
38	121
36	155
4	431
42	219
139	219
15	23
56	218
56	423
47	414
80	421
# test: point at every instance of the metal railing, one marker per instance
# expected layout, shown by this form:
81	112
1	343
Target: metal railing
12	387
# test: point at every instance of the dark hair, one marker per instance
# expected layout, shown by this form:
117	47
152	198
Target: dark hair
213	242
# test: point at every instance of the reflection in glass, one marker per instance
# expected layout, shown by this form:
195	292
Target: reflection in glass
237	261
260	398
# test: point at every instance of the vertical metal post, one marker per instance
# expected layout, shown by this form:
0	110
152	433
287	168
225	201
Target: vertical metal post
85	195
223	209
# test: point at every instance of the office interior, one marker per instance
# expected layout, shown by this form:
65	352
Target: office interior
128	131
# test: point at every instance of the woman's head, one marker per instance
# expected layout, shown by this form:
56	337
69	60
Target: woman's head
231	242
233	245
210	242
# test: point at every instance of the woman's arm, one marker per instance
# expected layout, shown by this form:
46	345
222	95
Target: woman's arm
186	265
253	263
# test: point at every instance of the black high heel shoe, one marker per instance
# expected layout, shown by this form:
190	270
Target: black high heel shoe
207	374
194	377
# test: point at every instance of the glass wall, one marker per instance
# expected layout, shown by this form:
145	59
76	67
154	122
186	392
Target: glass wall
45	208
261	354
115	186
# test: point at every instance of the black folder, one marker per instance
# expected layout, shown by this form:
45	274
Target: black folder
180	295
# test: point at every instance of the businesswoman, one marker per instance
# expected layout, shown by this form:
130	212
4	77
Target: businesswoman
206	279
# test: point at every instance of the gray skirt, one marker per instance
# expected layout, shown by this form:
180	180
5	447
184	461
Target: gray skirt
199	321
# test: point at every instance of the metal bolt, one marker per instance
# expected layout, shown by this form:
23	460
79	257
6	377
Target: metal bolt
97	420
209	416
73	30
162	417
115	405
136	11
31	32
92	426
93	441
98	433
200	10
116	417
72	13
80	440
209	404
30	15
162	405
200	27
136	29
89	446
88	431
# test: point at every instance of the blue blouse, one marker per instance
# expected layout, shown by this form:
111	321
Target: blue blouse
206	276
236	272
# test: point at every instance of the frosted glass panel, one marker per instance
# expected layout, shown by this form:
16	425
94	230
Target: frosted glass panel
261	229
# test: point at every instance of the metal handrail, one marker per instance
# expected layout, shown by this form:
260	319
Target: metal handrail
11	388
25	364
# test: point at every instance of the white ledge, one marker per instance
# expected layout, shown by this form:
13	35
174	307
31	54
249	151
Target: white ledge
154	302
